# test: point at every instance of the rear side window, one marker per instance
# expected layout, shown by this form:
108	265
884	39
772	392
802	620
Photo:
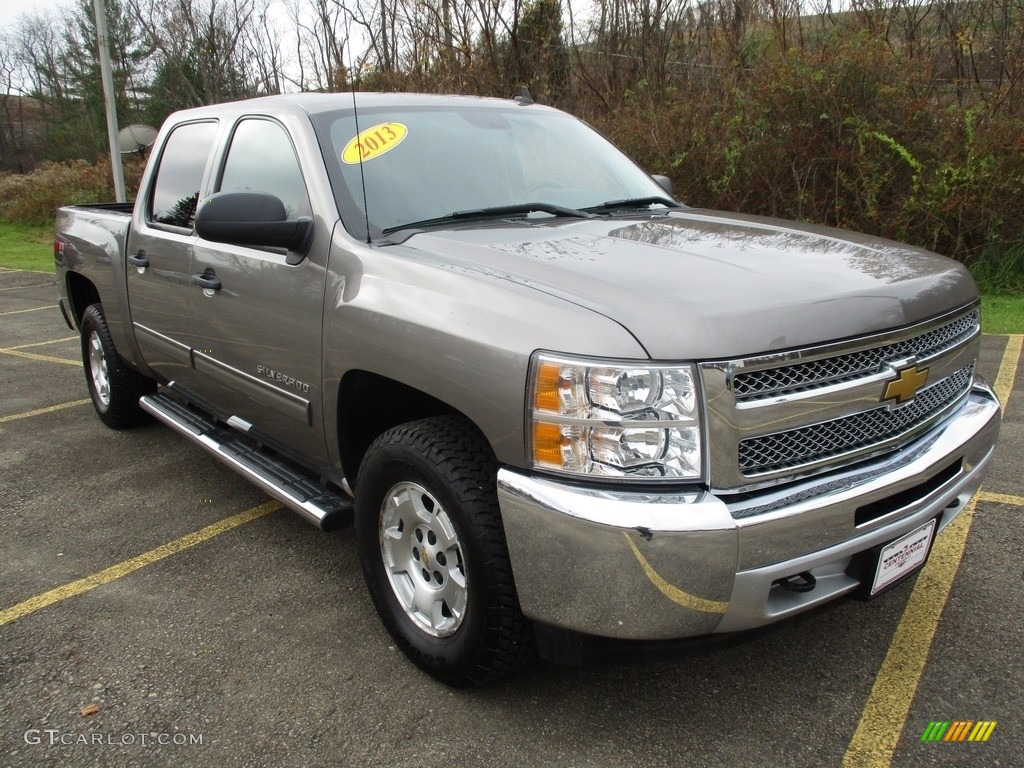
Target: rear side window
176	191
262	159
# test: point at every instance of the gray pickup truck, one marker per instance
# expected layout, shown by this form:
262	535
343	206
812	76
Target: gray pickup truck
564	412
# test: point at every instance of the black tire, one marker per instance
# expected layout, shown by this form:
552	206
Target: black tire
445	469
115	388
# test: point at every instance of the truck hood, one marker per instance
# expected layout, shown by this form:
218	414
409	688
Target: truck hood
702	285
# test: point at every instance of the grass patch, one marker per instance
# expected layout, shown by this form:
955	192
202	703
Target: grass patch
24	247
1002	313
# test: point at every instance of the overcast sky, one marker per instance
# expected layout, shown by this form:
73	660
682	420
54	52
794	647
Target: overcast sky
10	10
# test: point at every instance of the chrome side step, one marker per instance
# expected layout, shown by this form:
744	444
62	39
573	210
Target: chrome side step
321	506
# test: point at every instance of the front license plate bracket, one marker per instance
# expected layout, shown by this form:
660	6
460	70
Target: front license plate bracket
880	568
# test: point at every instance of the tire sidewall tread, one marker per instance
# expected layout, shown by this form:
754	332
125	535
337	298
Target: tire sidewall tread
126	384
451	459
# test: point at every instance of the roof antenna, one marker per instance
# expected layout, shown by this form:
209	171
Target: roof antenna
524	98
359	147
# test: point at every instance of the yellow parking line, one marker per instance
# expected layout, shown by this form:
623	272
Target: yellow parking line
40	411
1007	373
43	343
30	271
23	287
1001	498
885	712
43	358
19	311
75	588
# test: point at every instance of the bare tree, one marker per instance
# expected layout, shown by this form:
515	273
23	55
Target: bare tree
321	43
208	58
262	44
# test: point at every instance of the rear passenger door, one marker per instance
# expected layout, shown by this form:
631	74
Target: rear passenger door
160	251
258	337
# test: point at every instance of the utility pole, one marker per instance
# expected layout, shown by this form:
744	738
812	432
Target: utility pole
99	7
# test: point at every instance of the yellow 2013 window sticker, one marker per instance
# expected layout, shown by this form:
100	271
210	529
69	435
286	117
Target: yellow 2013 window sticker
373	142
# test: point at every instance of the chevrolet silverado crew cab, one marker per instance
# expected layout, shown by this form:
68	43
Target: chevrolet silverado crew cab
561	409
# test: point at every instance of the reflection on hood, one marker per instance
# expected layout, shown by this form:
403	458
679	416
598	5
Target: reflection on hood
700	285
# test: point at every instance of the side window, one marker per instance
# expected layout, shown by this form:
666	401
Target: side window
176	190
262	159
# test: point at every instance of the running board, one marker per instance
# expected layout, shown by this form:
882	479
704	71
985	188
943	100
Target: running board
326	509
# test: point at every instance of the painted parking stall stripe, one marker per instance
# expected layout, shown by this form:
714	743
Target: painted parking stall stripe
40	358
41	411
25	287
1001	498
27	271
75	588
22	311
19	351
43	343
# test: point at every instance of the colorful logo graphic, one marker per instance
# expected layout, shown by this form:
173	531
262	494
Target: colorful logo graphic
959	730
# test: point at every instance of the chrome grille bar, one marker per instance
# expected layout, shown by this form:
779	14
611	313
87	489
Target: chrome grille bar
819	442
801	377
806	411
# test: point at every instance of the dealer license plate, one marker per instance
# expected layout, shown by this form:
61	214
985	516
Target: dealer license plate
903	557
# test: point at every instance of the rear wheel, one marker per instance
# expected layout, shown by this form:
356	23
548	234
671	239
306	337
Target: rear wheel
433	552
115	388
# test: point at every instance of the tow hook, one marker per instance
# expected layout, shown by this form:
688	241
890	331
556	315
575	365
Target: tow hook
801	582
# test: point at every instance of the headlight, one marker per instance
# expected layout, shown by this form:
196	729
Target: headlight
613	419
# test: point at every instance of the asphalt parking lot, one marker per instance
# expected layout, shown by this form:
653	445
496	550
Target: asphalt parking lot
156	609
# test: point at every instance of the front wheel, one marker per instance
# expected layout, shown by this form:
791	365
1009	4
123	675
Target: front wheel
433	551
115	388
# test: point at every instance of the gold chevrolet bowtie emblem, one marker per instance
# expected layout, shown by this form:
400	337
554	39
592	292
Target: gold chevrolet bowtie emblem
906	384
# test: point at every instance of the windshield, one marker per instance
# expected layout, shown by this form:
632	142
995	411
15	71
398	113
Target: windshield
422	163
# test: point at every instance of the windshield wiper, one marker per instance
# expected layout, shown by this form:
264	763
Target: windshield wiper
519	209
632	204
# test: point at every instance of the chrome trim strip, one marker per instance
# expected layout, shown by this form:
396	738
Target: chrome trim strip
166	346
291	405
240	424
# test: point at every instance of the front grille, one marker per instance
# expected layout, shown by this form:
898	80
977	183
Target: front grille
820	442
801	377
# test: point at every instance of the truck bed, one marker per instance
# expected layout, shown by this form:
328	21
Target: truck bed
125	208
90	242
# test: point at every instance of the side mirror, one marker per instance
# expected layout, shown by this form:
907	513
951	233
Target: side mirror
664	182
252	218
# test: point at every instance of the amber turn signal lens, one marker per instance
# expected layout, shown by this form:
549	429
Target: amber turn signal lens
547	444
549	376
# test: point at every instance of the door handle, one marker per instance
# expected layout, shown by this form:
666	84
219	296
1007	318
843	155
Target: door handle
207	281
139	260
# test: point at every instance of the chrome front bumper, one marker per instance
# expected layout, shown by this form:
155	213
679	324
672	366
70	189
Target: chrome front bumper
645	565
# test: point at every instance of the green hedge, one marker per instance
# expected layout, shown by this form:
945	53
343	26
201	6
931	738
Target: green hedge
33	198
